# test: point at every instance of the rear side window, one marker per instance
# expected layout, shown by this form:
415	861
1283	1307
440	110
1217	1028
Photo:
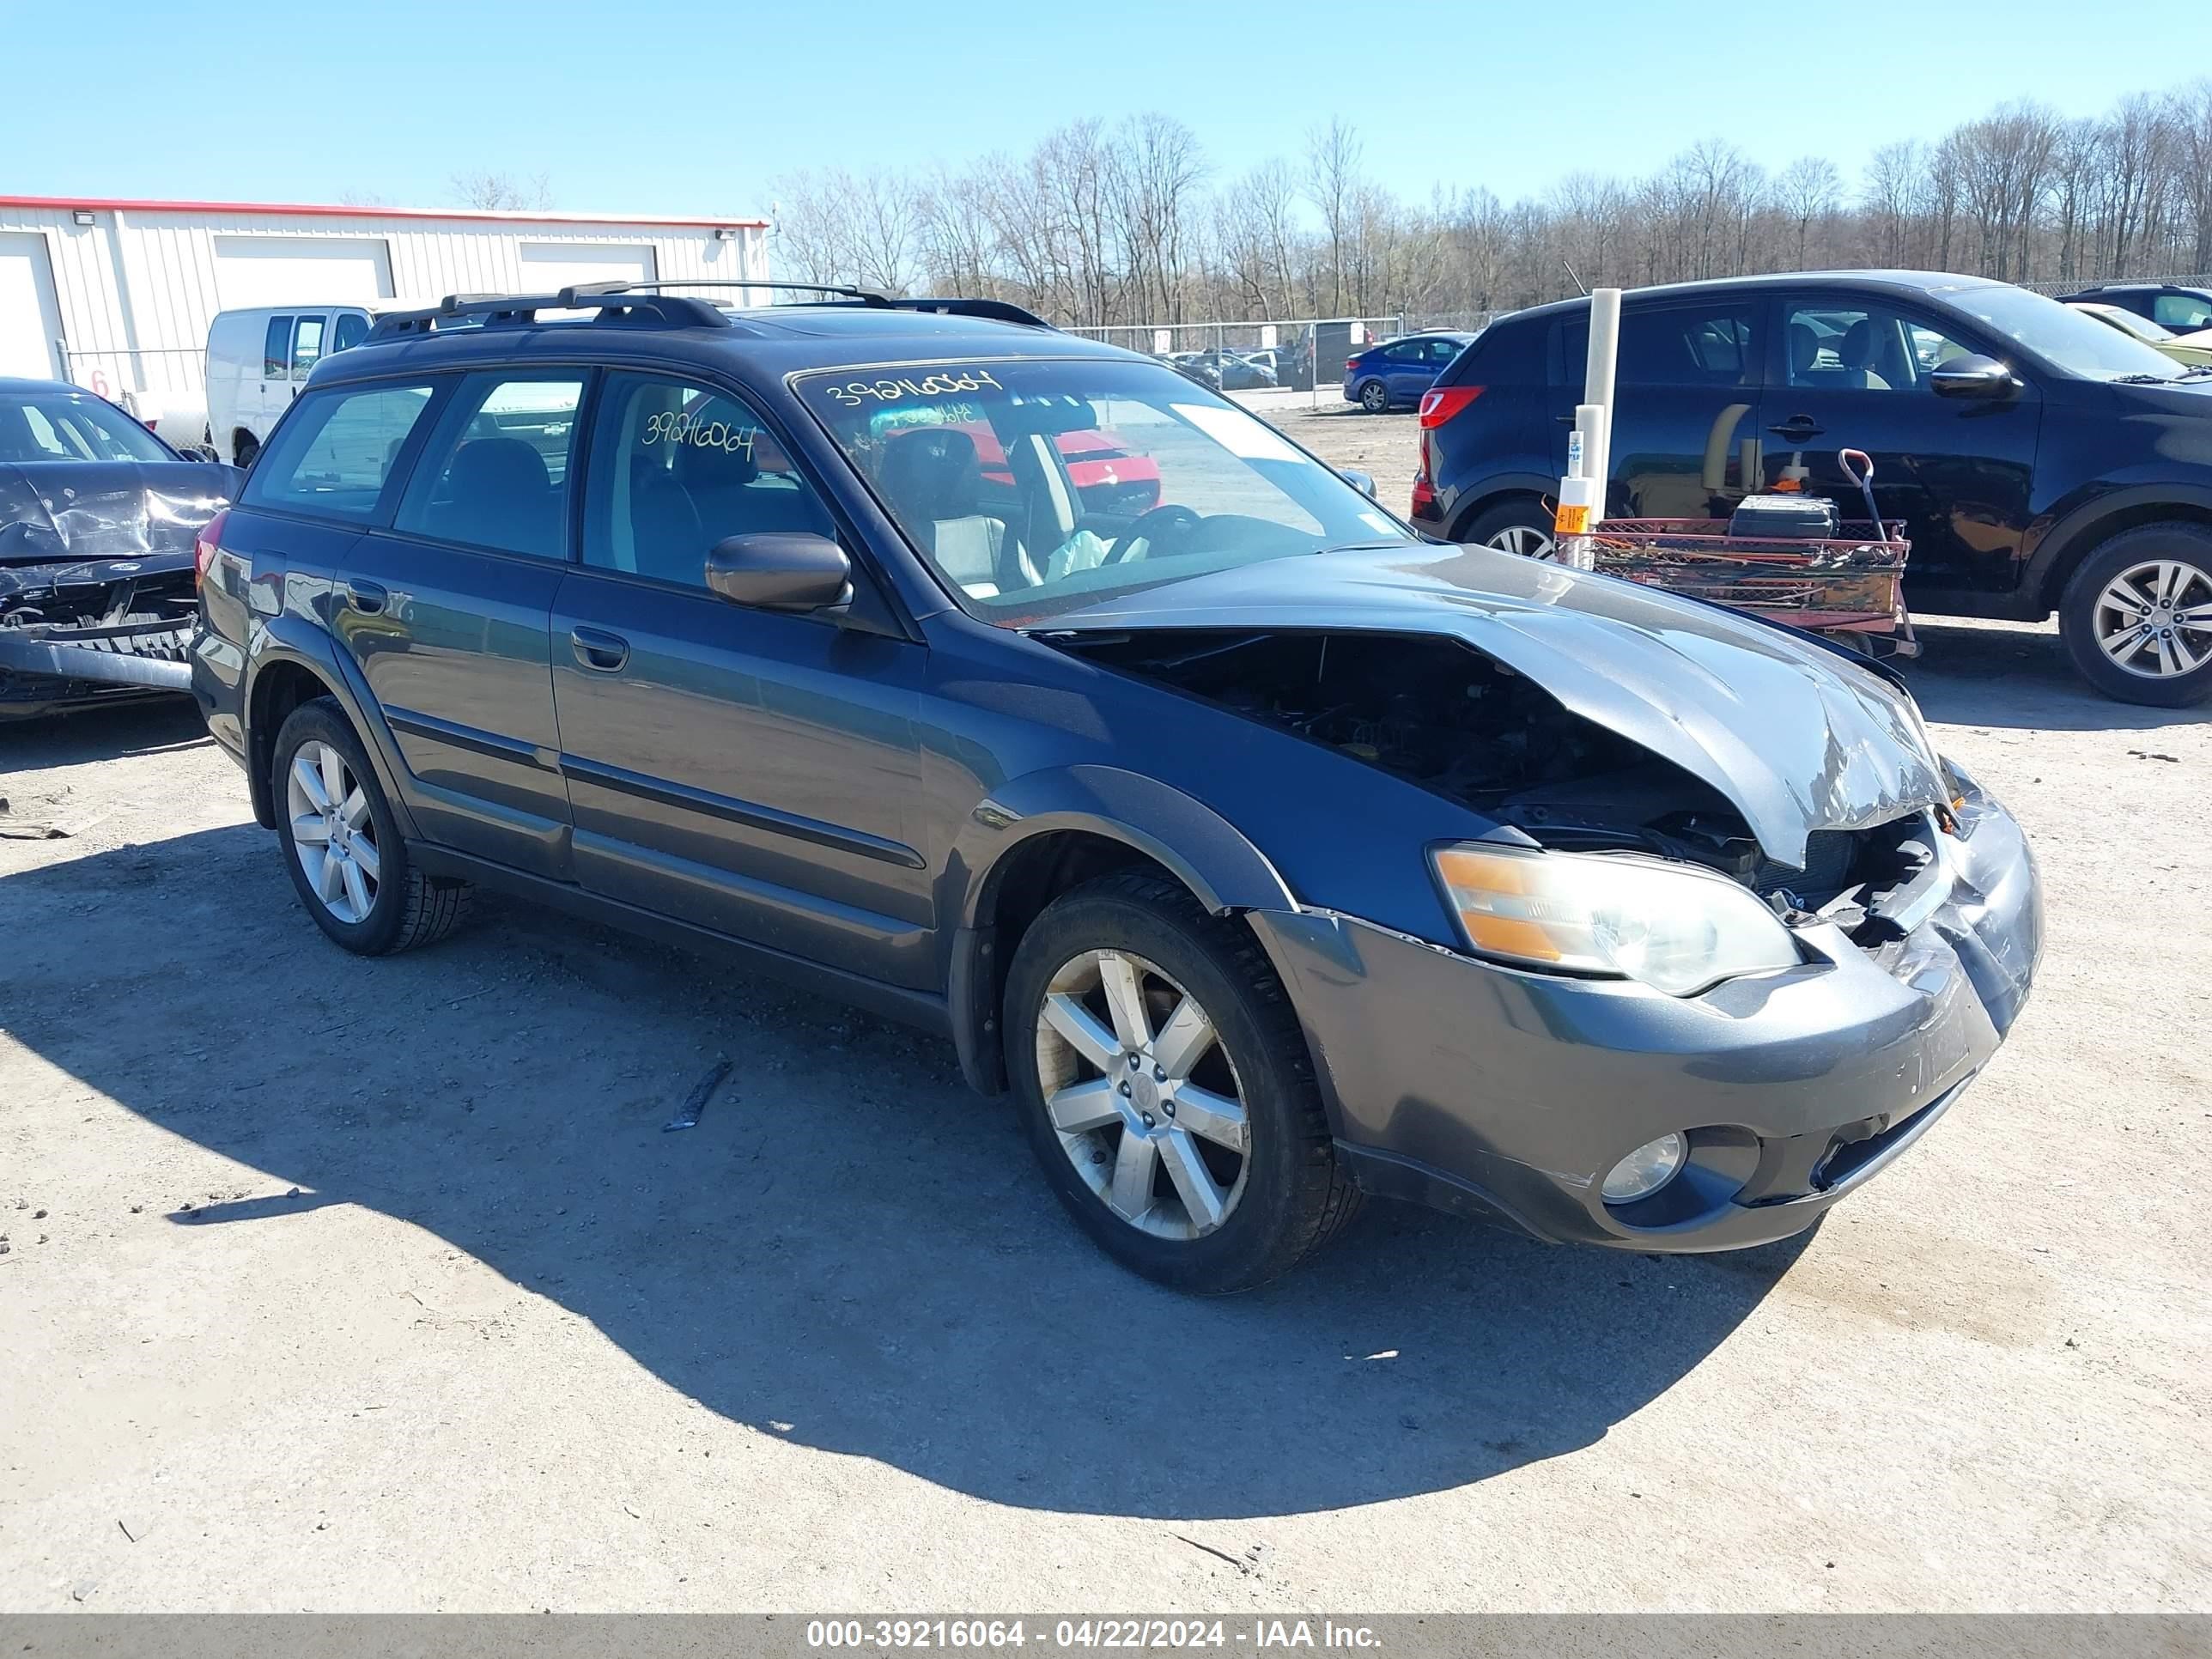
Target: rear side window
1716	345
496	472
275	345
334	451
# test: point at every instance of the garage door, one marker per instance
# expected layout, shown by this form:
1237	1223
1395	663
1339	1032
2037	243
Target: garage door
30	321
548	267
297	270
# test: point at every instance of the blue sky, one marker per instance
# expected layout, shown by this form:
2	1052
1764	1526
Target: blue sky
680	108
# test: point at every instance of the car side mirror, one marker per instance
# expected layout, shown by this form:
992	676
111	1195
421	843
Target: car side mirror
1973	376
1362	482
781	571
201	453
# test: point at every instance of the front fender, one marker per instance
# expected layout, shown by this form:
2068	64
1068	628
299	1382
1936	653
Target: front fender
2077	528
1206	852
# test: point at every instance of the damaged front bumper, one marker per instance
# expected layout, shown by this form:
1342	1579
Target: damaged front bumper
1492	1091
92	631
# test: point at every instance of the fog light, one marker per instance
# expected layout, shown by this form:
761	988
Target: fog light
1645	1170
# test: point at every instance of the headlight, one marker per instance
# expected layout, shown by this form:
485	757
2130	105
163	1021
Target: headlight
1677	928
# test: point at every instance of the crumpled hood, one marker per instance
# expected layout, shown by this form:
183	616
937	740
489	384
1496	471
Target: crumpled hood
58	512
1796	736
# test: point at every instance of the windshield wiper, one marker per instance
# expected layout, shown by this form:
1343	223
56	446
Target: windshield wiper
2146	380
2195	370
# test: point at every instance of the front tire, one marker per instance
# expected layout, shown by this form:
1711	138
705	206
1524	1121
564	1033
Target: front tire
2136	615
343	847
243	448
1166	1088
1375	398
1519	526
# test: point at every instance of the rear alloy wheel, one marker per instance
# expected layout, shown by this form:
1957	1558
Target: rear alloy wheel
1375	398
1166	1087
342	846
1521	527
2137	616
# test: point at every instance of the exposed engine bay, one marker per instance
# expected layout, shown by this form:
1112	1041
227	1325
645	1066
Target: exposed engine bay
1444	715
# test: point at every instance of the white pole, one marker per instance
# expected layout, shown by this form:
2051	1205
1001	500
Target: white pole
1597	387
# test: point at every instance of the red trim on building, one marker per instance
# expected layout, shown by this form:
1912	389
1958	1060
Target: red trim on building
324	210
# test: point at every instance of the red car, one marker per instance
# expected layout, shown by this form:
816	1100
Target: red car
1108	477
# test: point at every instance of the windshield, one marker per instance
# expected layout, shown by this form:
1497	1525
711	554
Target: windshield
69	426
2073	340
1038	487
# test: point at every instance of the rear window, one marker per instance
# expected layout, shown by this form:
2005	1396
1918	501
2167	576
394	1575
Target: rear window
334	452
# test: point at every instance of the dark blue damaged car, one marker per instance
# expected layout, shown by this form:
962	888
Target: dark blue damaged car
1269	855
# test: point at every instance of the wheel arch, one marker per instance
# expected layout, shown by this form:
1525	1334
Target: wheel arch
1036	837
2079	533
1496	493
288	670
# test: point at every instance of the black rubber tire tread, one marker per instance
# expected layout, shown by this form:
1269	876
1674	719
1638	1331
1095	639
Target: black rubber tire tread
1323	1197
412	910
2077	612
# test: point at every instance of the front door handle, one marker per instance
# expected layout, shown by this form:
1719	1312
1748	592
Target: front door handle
599	650
1798	426
367	597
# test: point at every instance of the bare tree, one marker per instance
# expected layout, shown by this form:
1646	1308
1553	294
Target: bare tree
1332	181
1809	190
505	192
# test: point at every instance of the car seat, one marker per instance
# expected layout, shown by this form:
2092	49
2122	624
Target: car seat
1858	352
935	480
497	493
735	498
1804	355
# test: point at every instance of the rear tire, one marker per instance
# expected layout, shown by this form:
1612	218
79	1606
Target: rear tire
1520	525
384	904
2136	615
1375	398
1207	1211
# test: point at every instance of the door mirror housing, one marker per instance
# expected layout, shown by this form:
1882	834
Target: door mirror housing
781	571
1362	482
1973	376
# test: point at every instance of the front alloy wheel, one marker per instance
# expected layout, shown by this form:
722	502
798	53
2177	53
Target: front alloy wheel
1165	1086
1142	1096
2136	615
2154	619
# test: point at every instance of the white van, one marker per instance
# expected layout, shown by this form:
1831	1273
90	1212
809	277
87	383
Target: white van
256	360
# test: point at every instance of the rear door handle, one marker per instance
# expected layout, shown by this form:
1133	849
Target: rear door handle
599	650
367	597
1798	426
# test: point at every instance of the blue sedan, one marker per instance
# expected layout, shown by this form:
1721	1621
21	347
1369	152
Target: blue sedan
1395	374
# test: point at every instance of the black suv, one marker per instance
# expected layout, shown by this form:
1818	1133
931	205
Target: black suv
2181	310
2041	460
1268	853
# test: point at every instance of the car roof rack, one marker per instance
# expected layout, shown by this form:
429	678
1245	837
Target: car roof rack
496	310
996	311
645	304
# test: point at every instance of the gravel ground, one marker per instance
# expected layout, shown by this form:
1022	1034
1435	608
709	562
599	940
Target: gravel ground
343	1285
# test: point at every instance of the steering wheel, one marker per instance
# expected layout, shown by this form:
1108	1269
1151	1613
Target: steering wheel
1147	527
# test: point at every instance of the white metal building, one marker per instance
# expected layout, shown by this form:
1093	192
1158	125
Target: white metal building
117	296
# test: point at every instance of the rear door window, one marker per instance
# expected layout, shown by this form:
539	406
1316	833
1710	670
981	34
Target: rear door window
276	347
334	454
494	473
1708	345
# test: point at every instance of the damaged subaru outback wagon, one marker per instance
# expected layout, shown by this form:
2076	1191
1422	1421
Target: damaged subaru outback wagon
1270	854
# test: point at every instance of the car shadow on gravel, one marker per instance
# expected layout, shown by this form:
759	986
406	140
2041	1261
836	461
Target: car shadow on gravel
89	736
2018	678
851	1250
